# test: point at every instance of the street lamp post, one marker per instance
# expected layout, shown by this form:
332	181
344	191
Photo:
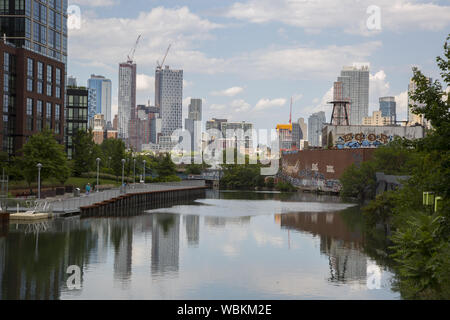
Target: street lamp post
39	166
134	171
98	168
144	170
123	170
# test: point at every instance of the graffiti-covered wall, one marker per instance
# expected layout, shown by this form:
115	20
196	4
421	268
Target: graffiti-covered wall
354	137
320	169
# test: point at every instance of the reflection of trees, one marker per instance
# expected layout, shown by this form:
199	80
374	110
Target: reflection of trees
34	264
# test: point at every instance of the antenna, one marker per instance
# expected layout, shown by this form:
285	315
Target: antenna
290	115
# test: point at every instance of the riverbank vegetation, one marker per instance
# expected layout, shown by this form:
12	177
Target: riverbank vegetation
418	234
248	177
82	169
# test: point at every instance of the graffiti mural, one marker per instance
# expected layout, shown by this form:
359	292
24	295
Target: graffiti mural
309	178
361	140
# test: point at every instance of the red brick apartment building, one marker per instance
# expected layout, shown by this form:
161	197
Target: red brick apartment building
32	96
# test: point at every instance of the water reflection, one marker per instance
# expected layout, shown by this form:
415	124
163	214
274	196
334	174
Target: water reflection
338	242
165	244
192	224
189	252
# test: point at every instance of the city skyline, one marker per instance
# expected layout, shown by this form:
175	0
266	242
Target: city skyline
232	70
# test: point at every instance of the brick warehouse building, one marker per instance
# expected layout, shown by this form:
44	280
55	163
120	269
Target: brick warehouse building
32	96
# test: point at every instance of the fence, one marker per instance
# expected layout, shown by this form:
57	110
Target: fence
74	204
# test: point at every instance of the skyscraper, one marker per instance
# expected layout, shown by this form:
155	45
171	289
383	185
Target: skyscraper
102	87
299	132
39	26
169	98
388	108
127	96
192	123
315	125
414	119
355	87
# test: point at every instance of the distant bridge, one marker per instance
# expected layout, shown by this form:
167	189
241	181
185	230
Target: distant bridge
211	177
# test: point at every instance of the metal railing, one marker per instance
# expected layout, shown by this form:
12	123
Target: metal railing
73	204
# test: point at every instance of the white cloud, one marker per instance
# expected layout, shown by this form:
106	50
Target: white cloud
230	92
301	62
145	83
217	107
104	42
348	15
239	106
264	104
378	87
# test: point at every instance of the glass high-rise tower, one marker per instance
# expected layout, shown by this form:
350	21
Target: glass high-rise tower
169	98
127	96
103	89
355	87
39	26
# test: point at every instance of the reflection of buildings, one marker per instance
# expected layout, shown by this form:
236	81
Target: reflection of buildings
222	222
165	243
122	237
192	229
342	245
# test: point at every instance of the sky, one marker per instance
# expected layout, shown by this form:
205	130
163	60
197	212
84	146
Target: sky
247	58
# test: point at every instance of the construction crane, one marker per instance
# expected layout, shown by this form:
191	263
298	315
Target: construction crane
133	50
164	59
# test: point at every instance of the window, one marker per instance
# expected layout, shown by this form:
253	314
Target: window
49	90
39	109
6	61
30	68
36	14
5	103
43	14
49	73
48	111
57	112
40	71
48	115
30	85
29	114
58	76
29	107
39	87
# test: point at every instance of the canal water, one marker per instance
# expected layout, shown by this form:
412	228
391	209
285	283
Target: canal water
231	245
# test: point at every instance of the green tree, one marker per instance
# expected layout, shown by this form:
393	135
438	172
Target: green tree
43	148
85	151
165	166
114	149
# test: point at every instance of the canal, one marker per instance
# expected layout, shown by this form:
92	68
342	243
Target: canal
231	245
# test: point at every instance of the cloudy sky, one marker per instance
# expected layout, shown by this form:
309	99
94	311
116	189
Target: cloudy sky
247	58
